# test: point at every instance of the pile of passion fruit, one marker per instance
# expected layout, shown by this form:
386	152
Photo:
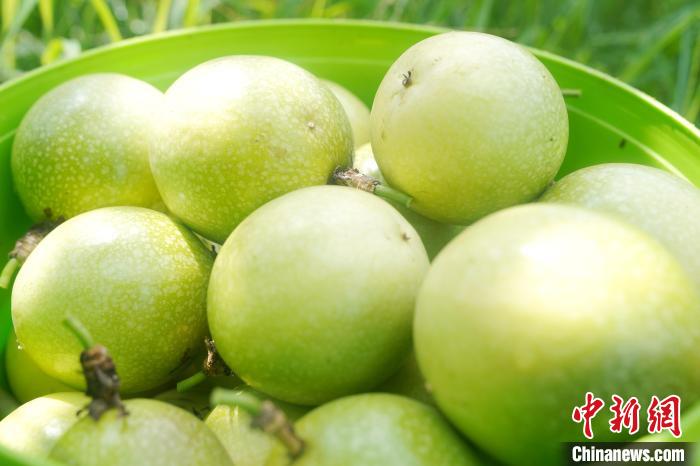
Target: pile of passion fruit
254	269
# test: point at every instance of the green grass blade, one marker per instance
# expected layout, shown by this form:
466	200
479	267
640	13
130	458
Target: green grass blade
318	8
107	19
683	70
191	13
46	14
9	8
679	23
20	17
484	15
52	51
162	14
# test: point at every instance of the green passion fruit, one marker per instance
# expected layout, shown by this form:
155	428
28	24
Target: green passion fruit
467	123
152	433
85	144
532	307
36	426
235	428
239	131
660	203
25	378
312	296
134	277
375	430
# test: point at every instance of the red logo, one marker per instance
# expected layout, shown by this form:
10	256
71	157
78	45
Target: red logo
587	412
661	415
625	415
665	415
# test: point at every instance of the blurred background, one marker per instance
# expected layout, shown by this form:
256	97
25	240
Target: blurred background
651	44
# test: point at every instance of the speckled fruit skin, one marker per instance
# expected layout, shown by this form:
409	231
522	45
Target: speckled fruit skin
247	445
36	426
356	110
312	296
239	131
153	433
532	307
376	430
25	378
664	205
479	125
435	235
85	145
135	278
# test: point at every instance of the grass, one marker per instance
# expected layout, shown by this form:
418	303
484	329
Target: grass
652	45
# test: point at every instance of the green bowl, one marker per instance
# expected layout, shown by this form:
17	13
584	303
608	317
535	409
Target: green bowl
610	121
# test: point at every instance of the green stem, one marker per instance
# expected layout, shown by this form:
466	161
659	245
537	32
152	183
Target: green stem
392	194
571	92
81	333
190	382
8	272
245	401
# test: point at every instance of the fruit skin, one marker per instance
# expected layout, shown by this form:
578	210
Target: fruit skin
355	109
312	296
376	430
85	145
36	426
435	235
247	445
25	378
664	205
468	123
532	307
154	433
240	131
137	281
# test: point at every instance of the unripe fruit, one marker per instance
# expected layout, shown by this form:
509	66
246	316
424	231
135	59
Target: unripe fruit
25	378
240	131
532	307
664	205
85	145
36	426
468	123
312	296
134	277
376	430
153	433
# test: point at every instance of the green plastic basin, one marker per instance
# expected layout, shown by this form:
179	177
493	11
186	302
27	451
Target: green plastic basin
610	122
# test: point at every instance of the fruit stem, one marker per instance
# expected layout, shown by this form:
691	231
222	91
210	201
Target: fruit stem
353	178
101	378
8	272
235	398
213	366
392	194
25	245
571	92
266	417
79	331
191	382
